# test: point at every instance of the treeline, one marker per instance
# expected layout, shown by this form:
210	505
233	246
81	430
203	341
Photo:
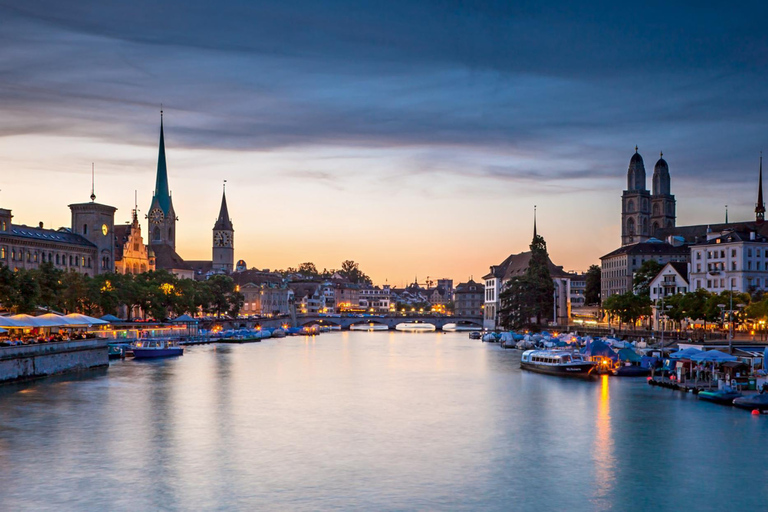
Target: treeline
349	270
700	305
157	294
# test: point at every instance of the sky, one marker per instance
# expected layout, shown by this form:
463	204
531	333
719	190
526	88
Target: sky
412	137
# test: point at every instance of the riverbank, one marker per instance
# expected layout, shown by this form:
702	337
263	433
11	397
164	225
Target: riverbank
27	362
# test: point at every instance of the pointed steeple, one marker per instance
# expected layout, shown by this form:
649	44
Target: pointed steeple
726	214
162	193
760	206
223	222
534	221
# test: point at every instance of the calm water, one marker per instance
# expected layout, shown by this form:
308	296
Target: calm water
373	421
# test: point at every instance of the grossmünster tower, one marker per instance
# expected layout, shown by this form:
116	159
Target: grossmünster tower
643	213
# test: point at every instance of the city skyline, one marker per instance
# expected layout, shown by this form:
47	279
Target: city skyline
340	144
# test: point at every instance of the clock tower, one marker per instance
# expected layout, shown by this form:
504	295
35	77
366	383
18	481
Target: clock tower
224	239
161	216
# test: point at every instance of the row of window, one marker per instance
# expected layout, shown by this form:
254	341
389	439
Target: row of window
42	257
759	253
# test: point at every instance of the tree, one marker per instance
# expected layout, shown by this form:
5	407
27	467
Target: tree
641	281
49	279
27	292
529	299
308	269
225	298
351	271
627	307
593	287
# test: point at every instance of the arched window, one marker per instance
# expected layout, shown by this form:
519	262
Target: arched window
156	234
631	226
656	210
645	227
630	206
655	228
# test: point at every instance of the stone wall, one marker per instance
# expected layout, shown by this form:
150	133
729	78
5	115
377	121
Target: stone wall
33	361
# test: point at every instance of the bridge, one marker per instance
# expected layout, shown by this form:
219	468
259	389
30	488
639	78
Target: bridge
391	321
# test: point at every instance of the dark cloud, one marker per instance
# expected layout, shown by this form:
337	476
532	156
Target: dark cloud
574	86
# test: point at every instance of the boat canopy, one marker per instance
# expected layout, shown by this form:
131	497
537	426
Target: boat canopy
714	356
627	354
599	348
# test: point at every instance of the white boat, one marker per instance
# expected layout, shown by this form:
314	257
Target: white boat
415	327
368	327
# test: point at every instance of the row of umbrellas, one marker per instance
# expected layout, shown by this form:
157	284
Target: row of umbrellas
50	320
711	356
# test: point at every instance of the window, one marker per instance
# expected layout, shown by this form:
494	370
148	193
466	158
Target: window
2	253
698	255
733	253
749	253
85	229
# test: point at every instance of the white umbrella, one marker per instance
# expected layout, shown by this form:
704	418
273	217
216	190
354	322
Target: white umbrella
86	320
6	321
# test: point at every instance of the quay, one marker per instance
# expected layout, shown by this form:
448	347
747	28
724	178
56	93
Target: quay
27	362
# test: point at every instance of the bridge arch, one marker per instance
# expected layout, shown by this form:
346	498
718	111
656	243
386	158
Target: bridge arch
318	321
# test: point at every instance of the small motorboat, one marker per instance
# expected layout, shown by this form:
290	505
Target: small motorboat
152	349
115	351
752	402
723	396
475	335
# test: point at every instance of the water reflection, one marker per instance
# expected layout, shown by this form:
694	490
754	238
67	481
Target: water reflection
603	450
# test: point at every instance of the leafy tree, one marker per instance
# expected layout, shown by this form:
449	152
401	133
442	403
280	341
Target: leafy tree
225	298
76	296
27	294
627	307
350	270
49	279
593	287
308	269
641	281
530	296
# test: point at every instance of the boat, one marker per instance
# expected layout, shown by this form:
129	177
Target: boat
368	327
752	402
152	349
415	327
278	333
115	351
562	363
723	396
632	370
475	335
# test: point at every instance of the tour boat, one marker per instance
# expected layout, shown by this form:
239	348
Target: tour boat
415	327
562	363
151	349
368	327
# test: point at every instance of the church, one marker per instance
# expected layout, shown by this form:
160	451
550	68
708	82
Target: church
649	232
162	230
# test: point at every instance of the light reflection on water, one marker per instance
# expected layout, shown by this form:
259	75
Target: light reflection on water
368	420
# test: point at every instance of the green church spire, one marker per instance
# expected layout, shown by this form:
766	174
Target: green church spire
162	193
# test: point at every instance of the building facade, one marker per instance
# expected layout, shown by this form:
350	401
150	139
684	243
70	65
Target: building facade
468	299
618	267
671	280
730	261
131	255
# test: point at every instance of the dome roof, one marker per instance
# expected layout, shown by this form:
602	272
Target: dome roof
661	165
636	160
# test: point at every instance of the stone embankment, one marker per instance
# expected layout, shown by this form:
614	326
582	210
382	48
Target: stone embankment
41	360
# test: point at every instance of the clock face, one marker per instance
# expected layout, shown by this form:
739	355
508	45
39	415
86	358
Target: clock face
227	239
156	215
218	239
104	230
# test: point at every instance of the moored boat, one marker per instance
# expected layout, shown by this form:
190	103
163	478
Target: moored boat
152	349
724	396
561	363
752	402
475	335
632	370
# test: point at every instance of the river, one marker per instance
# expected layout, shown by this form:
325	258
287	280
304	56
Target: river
369	421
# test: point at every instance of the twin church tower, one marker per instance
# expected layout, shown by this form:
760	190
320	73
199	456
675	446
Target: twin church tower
643	213
162	226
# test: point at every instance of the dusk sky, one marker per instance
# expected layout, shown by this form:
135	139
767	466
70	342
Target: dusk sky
413	137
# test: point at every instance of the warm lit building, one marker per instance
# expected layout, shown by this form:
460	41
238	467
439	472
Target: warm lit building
468	299
131	255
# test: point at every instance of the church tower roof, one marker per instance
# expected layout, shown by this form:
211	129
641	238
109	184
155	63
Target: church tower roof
162	192
223	222
636	173
760	206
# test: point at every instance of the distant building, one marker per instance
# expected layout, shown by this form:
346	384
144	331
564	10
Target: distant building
131	255
447	285
309	297
375	298
671	280
730	260
578	290
87	247
468	299
346	297
618	267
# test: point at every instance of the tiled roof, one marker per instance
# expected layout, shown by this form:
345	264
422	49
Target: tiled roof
649	248
61	235
516	265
